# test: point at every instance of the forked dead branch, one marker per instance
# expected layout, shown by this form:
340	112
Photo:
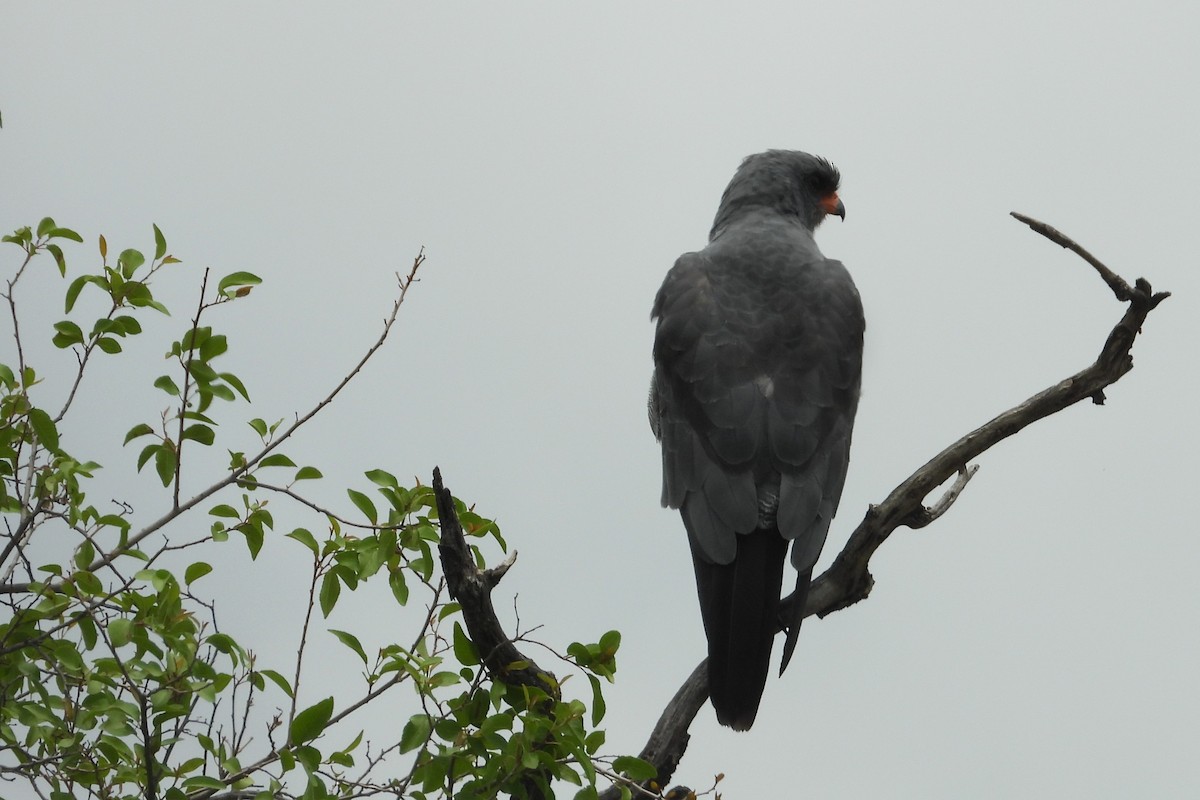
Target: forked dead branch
848	580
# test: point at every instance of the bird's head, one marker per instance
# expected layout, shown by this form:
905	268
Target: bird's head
789	182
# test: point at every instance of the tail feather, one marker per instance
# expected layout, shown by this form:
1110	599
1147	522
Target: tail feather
795	615
739	603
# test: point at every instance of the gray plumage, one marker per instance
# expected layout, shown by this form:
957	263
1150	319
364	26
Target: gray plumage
757	363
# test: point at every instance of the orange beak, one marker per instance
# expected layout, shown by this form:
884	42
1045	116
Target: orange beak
832	204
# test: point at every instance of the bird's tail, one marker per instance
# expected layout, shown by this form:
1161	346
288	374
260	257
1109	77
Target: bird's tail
740	606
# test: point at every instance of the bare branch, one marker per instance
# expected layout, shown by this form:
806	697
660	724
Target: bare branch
1115	282
848	580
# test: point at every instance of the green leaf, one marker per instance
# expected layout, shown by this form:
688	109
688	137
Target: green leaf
259	426
635	768
236	279
68	334
129	261
598	706
277	460
45	226
305	538
381	478
330	589
311	722
213	346
594	741
137	430
147	453
223	510
44	428
351	641
102	326
108	345
160	244
398	586
168	385
610	642
364	505
64	233
126	325
87	583
199	433
164	464
223	642
103	247
307	474
464	648
416	732
278	680
236	383
57	252
194	337
254	538
196	571
197	782
120	630
75	288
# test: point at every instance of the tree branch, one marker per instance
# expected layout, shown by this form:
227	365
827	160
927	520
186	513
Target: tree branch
848	580
472	588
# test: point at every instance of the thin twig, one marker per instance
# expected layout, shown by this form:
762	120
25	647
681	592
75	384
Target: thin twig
185	359
288	492
312	596
30	252
236	474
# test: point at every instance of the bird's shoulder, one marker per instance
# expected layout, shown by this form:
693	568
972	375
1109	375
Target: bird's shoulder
758	295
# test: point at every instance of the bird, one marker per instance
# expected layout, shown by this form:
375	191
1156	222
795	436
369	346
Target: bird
757	353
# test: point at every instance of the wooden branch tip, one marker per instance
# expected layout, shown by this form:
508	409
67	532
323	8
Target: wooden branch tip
493	574
1115	282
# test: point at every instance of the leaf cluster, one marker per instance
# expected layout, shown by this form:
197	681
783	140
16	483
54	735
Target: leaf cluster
117	676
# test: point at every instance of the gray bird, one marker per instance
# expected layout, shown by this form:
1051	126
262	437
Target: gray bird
757	365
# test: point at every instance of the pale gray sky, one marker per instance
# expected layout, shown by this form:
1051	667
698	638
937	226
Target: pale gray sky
1038	641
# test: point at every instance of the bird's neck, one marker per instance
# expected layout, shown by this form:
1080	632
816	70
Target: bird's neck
752	218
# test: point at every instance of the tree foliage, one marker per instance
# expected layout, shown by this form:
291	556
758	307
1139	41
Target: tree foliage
117	676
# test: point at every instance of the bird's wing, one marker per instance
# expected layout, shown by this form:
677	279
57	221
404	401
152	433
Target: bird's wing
755	390
706	409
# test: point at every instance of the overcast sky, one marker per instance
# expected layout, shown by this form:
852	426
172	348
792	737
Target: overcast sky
1040	640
